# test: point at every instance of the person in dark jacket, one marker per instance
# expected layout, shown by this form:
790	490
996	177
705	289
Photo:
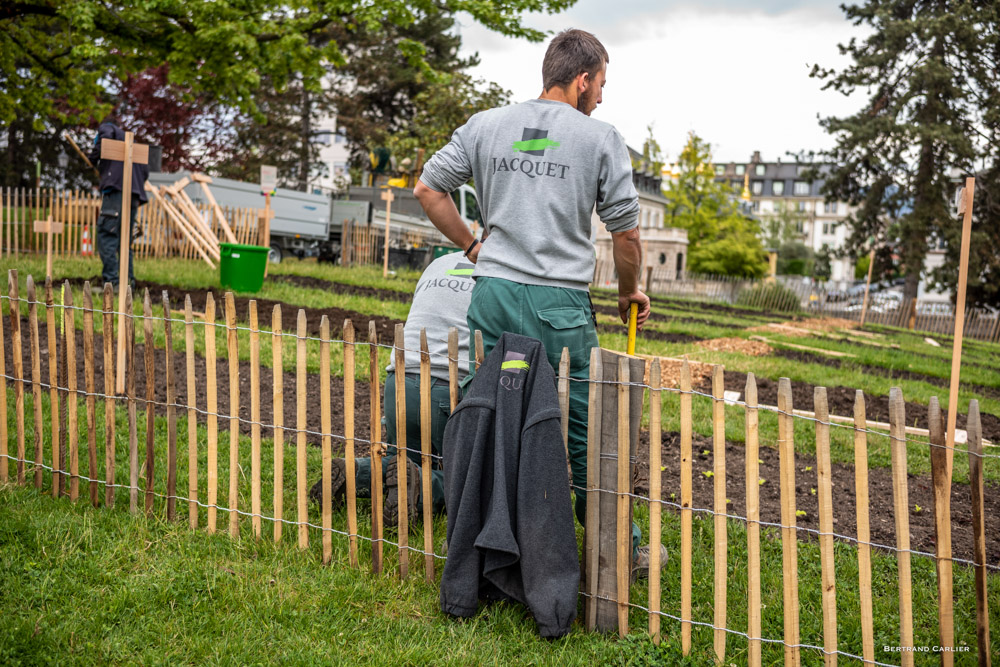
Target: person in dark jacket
510	516
109	221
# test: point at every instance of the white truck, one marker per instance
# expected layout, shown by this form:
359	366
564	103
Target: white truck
310	225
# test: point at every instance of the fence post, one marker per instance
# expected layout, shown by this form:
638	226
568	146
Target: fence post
453	367
686	507
789	536
978	531
108	337
824	491
88	373
72	428
900	495
591	529
192	423
255	504
168	360
655	494
149	351
942	529
58	462
36	379
349	462
18	362
3	396
425	456
233	353
300	423
563	393
753	520
211	410
864	531
133	436
326	497
721	537
402	515
618	438
278	416
375	426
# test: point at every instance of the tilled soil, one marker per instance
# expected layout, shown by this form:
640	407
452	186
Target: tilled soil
343	288
881	512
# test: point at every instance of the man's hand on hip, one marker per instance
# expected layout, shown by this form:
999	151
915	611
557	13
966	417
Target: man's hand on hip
626	300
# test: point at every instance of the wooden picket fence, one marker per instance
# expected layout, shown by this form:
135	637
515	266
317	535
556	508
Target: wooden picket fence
618	391
78	211
363	244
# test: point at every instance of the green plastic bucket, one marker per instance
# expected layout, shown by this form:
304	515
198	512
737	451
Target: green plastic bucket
241	267
442	250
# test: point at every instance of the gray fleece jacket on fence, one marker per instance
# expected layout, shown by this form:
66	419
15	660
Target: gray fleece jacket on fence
510	519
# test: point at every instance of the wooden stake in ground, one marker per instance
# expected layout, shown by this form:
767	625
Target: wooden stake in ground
387	197
233	352
824	490
978	532
58	469
255	507
301	425
72	431
211	410
129	153
901	510
192	402
326	453
753	521
91	388
349	462
18	368
655	507
868	282
133	435
453	368
591	536
36	380
108	334
942	529
168	358
563	394
478	336
721	540
789	537
50	228
375	425
401	455
278	415
425	456
965	207
864	532
149	350
624	527
686	507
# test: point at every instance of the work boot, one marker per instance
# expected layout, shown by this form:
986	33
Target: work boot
338	484
390	508
640	562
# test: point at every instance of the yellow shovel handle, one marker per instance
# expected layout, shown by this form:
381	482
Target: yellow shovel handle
633	314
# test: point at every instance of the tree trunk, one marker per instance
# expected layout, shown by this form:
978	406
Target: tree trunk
304	140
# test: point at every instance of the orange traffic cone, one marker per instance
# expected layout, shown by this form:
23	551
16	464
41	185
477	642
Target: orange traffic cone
88	247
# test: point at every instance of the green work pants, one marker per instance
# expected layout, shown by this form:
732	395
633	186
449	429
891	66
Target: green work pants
558	317
440	410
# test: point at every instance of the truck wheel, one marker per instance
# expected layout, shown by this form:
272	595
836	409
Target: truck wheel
274	254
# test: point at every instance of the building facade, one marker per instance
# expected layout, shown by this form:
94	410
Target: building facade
772	186
664	248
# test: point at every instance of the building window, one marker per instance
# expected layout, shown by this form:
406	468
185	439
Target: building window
828	228
800	188
755	206
830	207
760	169
663	258
680	263
741	169
778	188
757	187
801	207
800	227
737	184
720	169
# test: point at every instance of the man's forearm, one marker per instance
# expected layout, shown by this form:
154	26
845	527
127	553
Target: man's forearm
627	253
440	209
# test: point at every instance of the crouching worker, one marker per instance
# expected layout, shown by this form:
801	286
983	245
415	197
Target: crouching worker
440	302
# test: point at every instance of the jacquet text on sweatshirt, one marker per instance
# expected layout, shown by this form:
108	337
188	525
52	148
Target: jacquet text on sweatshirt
539	169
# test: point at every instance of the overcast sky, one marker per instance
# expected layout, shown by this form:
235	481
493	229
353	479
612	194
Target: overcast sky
734	71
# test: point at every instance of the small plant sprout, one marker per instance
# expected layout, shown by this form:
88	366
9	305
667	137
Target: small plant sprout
663	468
761	461
812	490
708	473
760	482
705	452
809	468
917	508
673	496
800	512
728	501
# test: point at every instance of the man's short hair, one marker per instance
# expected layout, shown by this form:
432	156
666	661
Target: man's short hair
571	53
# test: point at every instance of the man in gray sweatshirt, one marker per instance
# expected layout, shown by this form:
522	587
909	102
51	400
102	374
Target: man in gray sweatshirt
540	168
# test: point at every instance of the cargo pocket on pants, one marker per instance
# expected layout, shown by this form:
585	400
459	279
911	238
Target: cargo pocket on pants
567	328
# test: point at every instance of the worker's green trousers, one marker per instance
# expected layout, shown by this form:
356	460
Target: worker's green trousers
558	317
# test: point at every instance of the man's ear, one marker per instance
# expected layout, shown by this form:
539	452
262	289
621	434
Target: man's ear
583	81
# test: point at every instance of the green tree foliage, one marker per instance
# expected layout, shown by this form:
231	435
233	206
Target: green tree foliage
822	269
795	258
931	69
784	225
442	107
721	240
